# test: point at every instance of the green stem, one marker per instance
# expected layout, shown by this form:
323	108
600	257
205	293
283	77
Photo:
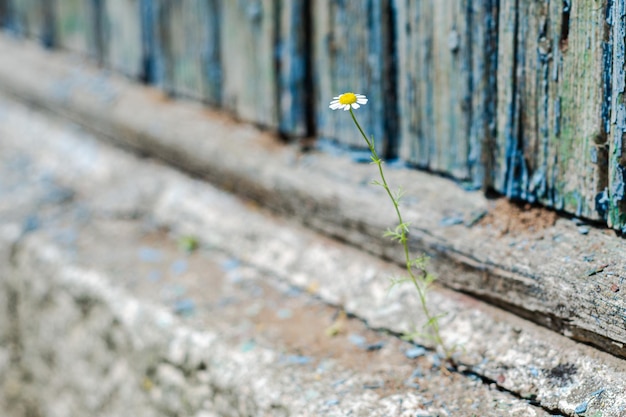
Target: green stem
421	289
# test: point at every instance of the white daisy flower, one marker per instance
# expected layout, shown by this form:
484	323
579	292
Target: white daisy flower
346	101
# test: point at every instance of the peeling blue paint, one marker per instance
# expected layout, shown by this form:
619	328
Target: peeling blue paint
367	57
150	50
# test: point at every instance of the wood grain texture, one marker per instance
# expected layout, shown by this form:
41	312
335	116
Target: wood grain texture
33	18
75	26
4	13
294	68
122	35
551	145
446	84
614	200
188	48
248	36
349	46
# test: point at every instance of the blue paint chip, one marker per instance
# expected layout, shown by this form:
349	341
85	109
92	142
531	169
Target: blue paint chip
179	267
58	195
582	408
373	385
248	346
357	340
185	307
31	223
450	221
297	359
148	254
230	264
415	352
66	236
375	346
293	292
411	384
331	402
417	373
284	313
154	275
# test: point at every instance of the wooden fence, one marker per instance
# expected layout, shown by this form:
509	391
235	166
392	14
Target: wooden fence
524	97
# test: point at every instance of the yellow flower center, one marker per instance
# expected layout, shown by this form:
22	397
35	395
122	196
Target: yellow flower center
347	98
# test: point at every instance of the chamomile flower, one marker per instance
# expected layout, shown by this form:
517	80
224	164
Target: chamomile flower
346	101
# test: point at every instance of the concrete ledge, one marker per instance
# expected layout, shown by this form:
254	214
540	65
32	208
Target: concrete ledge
75	225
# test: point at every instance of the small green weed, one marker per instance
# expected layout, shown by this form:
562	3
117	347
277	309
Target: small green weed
416	267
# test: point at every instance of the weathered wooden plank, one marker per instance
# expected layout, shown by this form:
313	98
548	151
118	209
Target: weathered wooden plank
250	75
33	18
483	31
551	144
4	13
122	36
615	198
186	48
7	16
446	84
582	176
152	42
351	54
294	69
76	27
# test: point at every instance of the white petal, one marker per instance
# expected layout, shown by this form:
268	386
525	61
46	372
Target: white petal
355	106
335	106
346	108
359	96
361	100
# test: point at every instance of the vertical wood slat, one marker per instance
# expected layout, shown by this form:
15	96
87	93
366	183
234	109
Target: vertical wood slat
4	13
551	144
293	68
8	17
350	55
446	83
614	200
32	18
75	26
122	36
251	28
261	79
185	48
